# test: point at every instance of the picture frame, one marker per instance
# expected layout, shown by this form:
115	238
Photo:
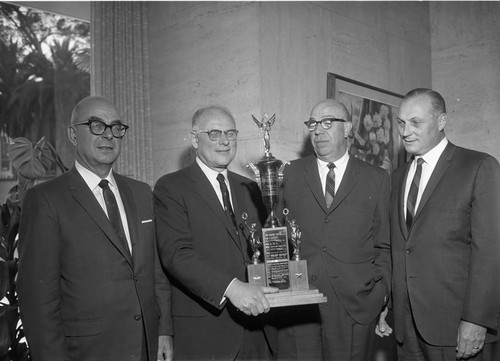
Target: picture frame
374	137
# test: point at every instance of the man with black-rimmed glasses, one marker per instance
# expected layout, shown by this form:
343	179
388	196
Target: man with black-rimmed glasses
342	207
90	283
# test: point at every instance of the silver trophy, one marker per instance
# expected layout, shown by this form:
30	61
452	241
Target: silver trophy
290	276
268	173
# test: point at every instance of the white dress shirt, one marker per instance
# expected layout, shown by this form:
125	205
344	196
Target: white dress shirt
339	170
92	181
212	178
430	160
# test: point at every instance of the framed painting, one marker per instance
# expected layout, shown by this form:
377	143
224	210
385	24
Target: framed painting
374	137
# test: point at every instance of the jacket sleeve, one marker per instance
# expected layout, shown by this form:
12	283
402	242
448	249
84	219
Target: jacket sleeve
482	298
176	247
39	285
164	298
381	233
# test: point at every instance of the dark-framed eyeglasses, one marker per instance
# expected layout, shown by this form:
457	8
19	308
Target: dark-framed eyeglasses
216	134
98	127
326	123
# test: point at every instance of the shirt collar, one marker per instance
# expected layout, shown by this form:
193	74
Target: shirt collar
209	172
340	163
93	179
432	156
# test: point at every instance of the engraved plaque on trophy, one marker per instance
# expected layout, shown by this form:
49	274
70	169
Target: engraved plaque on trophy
290	277
276	257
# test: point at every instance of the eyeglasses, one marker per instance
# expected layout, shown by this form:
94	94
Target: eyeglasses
215	134
98	127
326	123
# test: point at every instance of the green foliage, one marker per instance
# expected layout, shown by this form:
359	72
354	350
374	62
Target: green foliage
33	163
36	51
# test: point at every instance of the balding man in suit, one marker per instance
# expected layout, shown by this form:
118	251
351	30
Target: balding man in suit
342	206
90	284
217	314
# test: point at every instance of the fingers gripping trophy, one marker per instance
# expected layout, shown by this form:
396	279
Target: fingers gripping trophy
289	276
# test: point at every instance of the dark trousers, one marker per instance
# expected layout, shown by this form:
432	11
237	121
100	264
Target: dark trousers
342	337
324	332
299	333
254	346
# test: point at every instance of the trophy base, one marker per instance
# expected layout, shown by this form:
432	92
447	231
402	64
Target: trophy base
295	298
257	274
298	275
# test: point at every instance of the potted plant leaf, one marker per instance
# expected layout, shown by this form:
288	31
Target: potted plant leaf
33	163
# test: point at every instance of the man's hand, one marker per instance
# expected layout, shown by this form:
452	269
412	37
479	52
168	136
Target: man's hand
383	329
470	339
248	298
165	348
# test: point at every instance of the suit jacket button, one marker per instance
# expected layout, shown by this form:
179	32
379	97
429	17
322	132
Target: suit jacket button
137	317
327	220
408	251
313	277
324	249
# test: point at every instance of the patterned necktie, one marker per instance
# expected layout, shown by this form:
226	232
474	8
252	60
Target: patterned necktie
113	212
330	185
225	199
413	193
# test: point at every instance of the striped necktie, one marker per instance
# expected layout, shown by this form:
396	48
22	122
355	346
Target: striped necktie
413	193
330	185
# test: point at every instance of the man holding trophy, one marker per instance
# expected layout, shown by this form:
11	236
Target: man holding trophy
202	243
342	206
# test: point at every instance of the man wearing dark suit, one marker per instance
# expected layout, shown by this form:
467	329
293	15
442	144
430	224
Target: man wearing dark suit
90	290
342	207
445	231
216	313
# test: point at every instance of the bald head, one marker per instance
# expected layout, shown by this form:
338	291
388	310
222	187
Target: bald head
93	106
209	112
96	151
332	105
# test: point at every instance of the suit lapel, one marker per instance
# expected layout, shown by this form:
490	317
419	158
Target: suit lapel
239	206
311	176
440	169
130	206
84	196
349	180
401	203
207	193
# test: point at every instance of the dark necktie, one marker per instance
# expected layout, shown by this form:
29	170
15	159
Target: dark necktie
225	199
113	212
330	185
413	193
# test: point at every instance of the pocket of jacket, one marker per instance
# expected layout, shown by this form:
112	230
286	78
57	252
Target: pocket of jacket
83	328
